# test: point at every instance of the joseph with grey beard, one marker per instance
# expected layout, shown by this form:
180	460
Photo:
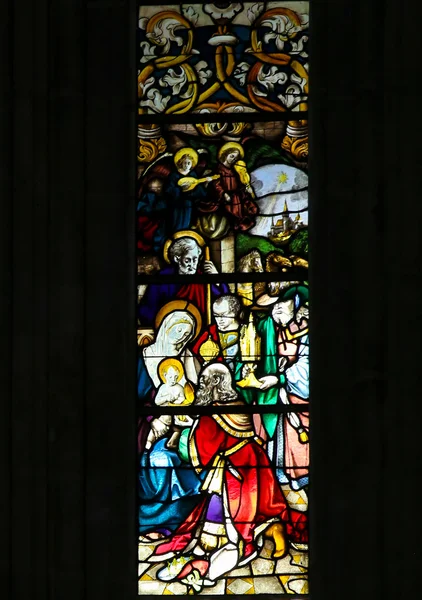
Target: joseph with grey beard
242	500
186	256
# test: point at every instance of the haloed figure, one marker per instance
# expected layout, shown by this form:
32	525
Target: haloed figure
185	255
170	393
233	192
242	503
182	202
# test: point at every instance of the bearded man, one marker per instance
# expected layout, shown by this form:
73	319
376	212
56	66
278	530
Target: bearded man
185	254
242	499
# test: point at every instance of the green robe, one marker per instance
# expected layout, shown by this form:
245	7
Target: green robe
268	365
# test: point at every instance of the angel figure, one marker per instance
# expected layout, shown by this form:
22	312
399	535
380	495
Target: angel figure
232	192
170	393
182	188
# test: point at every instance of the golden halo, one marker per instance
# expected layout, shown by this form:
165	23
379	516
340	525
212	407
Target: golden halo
193	155
165	366
231	146
180	234
180	305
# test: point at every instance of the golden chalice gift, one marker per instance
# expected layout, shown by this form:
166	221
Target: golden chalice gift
250	351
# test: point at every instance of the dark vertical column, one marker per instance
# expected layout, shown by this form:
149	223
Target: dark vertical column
111	542
66	322
29	226
348	334
6	274
368	324
403	298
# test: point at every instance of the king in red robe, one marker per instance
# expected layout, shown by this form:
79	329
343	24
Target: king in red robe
242	501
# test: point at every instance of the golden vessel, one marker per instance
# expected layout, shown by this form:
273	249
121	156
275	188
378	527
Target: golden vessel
250	350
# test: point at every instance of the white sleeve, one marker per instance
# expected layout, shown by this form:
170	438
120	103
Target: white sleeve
297	376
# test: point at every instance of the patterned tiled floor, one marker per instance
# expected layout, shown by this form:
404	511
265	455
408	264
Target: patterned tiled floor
263	575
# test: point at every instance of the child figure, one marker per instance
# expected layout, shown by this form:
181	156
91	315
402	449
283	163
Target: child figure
170	393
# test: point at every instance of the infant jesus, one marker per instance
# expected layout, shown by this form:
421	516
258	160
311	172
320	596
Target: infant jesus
170	393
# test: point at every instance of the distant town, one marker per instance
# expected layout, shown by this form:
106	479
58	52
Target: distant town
285	226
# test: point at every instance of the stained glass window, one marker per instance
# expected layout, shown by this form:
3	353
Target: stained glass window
223	298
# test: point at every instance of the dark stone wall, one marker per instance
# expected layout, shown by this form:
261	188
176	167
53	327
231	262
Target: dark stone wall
67	426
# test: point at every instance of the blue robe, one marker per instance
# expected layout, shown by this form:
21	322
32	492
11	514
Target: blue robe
168	494
145	385
181	203
169	489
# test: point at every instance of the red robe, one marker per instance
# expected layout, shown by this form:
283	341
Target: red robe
241	209
254	494
147	226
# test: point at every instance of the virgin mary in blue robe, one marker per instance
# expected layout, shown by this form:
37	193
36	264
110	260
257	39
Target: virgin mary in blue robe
168	485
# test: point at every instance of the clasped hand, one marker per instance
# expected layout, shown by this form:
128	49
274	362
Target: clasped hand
210	268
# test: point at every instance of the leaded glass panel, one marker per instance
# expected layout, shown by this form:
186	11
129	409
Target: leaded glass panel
223	298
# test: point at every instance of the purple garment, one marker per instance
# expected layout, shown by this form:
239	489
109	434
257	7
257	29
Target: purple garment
215	509
159	294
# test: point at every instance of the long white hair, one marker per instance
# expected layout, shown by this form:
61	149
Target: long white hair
220	383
